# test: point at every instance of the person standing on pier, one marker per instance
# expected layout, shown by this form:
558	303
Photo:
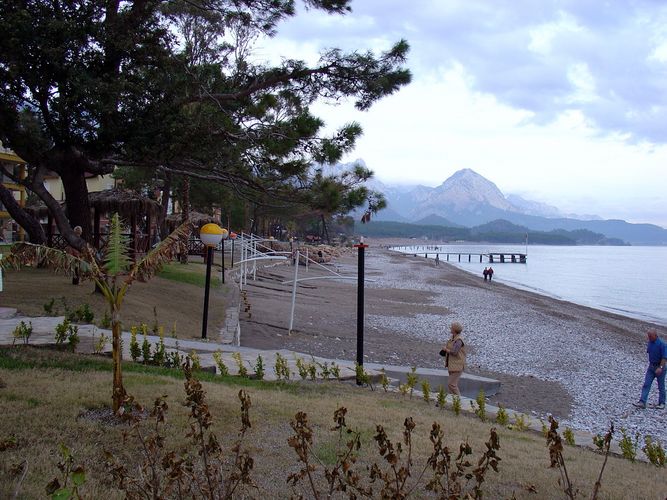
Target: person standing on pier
455	358
657	366
437	259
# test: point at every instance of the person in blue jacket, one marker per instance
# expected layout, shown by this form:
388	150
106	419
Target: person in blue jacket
657	366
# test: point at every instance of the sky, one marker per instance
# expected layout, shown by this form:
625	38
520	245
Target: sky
562	102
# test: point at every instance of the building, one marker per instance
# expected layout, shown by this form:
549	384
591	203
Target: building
11	163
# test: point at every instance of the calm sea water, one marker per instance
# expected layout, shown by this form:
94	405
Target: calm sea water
631	281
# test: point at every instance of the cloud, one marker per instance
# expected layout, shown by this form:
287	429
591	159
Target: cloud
607	60
562	99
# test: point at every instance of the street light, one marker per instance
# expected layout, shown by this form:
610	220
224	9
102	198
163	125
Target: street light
232	236
225	235
210	235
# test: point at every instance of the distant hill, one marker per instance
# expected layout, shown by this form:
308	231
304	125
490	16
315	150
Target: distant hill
499	231
468	199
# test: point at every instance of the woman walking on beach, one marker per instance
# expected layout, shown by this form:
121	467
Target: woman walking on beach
455	357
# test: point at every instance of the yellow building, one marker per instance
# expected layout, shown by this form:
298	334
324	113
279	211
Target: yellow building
10	162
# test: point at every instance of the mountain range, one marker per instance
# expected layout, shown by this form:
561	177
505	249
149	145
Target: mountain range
467	199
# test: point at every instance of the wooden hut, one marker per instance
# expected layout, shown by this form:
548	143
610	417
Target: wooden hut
138	211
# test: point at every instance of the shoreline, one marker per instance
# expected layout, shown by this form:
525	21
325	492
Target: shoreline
581	364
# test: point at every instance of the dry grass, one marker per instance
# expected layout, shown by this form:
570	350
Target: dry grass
40	408
175	301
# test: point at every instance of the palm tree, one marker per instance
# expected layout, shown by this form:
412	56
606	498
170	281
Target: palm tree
113	275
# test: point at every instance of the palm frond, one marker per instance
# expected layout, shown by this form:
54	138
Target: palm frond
168	248
28	255
116	258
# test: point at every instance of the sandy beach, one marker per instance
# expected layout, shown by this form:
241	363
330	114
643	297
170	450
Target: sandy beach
583	365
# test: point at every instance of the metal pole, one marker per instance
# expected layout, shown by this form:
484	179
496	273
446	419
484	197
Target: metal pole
296	276
223	261
233	240
209	258
360	306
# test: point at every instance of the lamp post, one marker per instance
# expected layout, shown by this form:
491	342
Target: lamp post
360	303
232	236
225	235
210	235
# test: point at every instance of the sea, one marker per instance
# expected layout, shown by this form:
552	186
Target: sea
630	280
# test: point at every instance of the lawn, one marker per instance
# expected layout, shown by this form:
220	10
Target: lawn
174	299
46	393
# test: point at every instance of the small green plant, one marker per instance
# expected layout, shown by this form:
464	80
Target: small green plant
598	441
195	360
521	422
105	322
174	359
61	331
325	371
502	418
312	371
628	445
301	368
222	367
84	314
426	391
384	380
456	404
173	331
159	355
442	397
49	307
545	429
654	452
67	332
403	389
242	370
146	349
73	338
74	477
101	344
281	368
362	376
479	405
135	350
335	370
568	435
259	368
412	380
23	332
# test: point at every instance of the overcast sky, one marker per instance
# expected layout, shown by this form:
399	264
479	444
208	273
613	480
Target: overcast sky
562	102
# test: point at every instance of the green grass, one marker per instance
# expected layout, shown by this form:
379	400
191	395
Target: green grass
192	274
30	358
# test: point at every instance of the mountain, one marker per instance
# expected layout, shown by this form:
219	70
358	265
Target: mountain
436	220
468	199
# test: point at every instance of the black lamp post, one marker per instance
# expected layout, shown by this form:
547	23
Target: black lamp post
360	303
210	235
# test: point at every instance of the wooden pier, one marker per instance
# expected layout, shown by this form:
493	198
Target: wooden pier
491	258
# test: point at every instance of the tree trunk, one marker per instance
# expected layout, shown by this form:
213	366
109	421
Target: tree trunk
324	228
76	196
164	208
22	218
118	394
185	211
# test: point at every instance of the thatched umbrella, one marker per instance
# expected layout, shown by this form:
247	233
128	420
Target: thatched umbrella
197	219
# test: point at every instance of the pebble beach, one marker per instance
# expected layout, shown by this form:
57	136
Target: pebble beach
583	365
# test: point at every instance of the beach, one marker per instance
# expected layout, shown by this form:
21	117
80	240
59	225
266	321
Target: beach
583	365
